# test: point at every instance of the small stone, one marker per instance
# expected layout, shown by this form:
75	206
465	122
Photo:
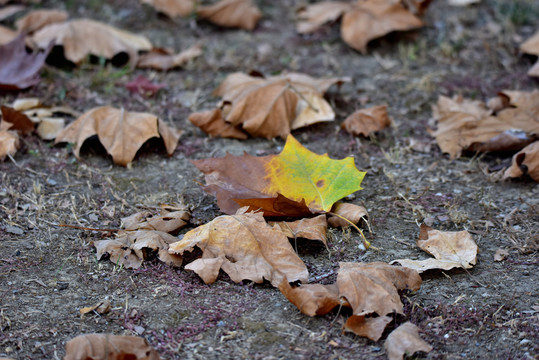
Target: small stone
14	230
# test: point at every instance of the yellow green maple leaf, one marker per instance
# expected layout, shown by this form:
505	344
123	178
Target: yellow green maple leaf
299	174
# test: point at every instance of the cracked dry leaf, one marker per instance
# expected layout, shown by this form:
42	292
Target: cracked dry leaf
366	121
245	247
296	182
450	249
242	14
405	340
367	288
268	107
531	46
526	161
83	37
19	69
108	346
362	21
161	59
122	133
38	19
172	8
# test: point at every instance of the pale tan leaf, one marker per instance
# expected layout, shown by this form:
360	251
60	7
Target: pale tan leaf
311	108
49	128
231	13
173	8
108	346
311	17
501	254
366	121
308	228
83	37
38	19
369	327
119	252
348	211
405	340
25	104
9	143
162	60
248	247
526	161
167	221
101	307
531	45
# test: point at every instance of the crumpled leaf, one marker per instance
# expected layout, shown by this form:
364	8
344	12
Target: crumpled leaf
144	234
161	59
366	121
269	107
531	46
243	14
405	340
366	288
350	212
172	8
107	346
526	161
38	19
121	132
82	37
466	125
450	249
245	247
307	228
101	307
305	179
18	69
362	21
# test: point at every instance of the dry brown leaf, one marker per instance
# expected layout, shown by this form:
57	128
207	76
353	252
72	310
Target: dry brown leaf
307	228
101	307
366	121
173	8
270	107
450	249
243	14
82	37
9	143
161	59
121	132
526	161
6	35
167	221
18	121
245	247
501	254
312	17
531	46
405	340
212	123
348	211
369	327
107	346
312	299
38	19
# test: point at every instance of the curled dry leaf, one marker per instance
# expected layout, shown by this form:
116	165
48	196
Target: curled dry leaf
243	14
269	107
367	288
121	132
101	307
351	212
312	17
18	69
173	8
405	340
107	346
366	121
38	19
526	161
161	59
212	123
531	46
450	249
307	228
9	143
245	247
288	184
83	37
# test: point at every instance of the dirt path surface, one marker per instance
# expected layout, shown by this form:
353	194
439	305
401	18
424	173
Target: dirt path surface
48	273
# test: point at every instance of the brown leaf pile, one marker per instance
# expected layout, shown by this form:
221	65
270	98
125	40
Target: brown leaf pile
107	346
143	236
266	107
362	21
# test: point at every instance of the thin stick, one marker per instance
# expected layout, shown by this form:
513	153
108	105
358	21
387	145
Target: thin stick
366	243
87	228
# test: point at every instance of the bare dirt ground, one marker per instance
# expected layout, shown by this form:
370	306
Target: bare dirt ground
48	273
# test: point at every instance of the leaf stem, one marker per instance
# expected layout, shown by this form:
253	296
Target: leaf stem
366	243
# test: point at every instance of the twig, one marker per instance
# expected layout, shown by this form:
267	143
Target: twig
366	243
87	228
23	168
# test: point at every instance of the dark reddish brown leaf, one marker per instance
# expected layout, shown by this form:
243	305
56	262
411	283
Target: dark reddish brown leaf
19	69
19	122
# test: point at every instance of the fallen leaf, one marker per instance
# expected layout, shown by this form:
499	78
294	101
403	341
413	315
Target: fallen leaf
17	120
245	247
213	124
101	307
366	121
362	21
243	14
270	107
450	249
107	346
367	288
18	69
143	86
531	46
405	340
312	181
38	19
351	212
161	59
49	128
6	35
82	37
526	161
501	254
173	8
307	228
9	143
121	132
